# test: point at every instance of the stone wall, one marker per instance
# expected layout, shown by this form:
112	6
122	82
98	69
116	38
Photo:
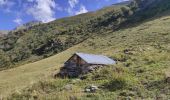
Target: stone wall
72	70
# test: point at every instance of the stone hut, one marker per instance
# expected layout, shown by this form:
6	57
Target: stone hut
82	63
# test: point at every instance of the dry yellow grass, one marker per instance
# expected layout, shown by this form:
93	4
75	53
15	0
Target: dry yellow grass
25	75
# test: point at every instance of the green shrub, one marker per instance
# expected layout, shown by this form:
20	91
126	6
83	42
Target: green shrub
116	83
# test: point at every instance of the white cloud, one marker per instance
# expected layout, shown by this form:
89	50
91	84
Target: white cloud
117	0
122	0
42	10
30	0
58	7
82	10
70	11
2	2
73	3
6	5
18	21
72	6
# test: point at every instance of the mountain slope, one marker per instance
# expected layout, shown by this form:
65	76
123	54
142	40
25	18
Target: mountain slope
27	25
148	46
141	50
44	40
2	33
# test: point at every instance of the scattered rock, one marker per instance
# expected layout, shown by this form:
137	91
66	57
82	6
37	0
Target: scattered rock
87	90
128	51
94	88
68	87
91	88
75	81
161	97
54	74
167	77
140	70
83	77
127	93
73	98
35	95
128	98
124	93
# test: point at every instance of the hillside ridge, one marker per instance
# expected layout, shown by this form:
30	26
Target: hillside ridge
44	40
141	50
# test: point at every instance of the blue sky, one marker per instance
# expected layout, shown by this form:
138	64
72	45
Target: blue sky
17	12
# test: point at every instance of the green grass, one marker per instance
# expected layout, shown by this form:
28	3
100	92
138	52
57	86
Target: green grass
28	74
141	69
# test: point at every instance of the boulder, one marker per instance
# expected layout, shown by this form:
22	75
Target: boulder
168	80
87	90
54	74
91	89
94	88
167	77
68	87
74	81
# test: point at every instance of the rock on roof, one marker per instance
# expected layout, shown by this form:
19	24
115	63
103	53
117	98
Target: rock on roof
96	59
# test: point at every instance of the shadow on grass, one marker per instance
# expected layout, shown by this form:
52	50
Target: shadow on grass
116	84
161	85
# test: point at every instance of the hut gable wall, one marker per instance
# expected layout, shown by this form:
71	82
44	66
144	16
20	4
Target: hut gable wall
76	60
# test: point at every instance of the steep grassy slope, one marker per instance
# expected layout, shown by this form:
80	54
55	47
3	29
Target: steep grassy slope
3	31
27	25
142	53
142	50
17	78
44	40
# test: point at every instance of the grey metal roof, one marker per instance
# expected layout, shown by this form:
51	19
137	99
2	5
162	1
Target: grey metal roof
96	59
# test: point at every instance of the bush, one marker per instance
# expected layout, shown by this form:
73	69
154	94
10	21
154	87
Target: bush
107	72
116	83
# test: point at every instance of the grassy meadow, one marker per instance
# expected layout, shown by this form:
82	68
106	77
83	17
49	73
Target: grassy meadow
142	52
